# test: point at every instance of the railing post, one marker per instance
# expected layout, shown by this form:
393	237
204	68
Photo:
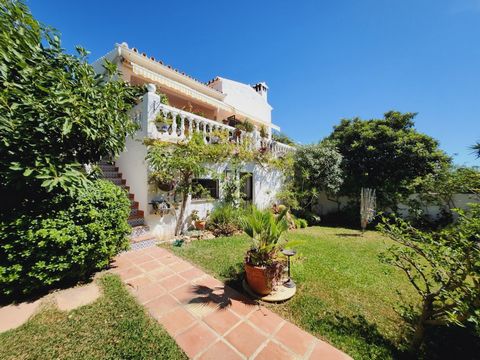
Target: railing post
149	104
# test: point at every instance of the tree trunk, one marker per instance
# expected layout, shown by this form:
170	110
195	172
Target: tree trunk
419	333
179	226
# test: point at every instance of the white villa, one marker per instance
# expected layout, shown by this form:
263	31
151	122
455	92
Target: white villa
218	104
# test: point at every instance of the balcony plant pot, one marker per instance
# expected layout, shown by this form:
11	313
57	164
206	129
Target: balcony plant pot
162	127
166	185
259	279
200	224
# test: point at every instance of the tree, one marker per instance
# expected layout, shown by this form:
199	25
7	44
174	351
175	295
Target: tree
55	112
316	168
179	163
439	188
444	269
476	149
385	154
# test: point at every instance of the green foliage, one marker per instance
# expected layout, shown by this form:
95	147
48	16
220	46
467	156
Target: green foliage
439	189
283	138
476	149
56	113
266	231
386	155
66	239
316	168
224	220
443	267
180	163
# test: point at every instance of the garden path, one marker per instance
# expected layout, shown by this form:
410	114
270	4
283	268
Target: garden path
208	319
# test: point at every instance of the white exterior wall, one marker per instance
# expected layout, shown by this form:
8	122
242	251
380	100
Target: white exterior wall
244	98
133	167
266	184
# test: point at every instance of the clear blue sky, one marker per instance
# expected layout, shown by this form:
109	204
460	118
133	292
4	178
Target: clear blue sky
323	60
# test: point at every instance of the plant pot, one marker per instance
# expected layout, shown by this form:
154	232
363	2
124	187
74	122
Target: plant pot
258	279
200	224
166	186
162	127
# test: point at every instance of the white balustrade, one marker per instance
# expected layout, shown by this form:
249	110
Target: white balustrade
189	123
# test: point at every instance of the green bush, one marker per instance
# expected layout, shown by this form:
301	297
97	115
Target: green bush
301	223
66	241
225	220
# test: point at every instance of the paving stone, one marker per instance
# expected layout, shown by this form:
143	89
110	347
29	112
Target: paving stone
73	298
177	321
294	338
323	350
274	351
172	282
196	339
221	320
265	320
161	305
14	315
221	350
149	292
245	339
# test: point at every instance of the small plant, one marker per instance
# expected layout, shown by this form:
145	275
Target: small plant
224	220
163	122
263	132
248	126
263	265
194	215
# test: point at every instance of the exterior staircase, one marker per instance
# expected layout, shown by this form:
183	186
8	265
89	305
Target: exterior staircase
140	236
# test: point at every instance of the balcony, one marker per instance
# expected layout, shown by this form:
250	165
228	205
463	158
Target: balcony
183	124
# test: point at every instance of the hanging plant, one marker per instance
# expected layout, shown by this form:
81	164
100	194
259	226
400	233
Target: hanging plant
163	122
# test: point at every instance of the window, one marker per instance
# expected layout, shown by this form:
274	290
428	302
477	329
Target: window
205	188
247	186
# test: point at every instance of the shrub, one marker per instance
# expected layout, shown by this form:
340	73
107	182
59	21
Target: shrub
225	220
68	240
301	223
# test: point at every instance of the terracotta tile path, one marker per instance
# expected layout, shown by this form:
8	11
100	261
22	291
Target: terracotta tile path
209	320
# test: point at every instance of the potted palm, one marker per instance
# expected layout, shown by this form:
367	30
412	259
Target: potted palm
263	262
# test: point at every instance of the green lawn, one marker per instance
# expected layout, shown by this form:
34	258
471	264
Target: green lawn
345	295
113	327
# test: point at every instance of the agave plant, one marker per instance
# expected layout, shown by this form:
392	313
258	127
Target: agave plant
266	231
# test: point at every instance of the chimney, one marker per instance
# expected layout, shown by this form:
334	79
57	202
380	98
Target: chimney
262	89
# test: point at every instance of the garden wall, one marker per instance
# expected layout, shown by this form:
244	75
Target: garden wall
328	205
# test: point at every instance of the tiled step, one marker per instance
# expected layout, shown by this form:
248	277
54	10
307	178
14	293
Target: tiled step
106	168
111	174
136	212
136	220
117	181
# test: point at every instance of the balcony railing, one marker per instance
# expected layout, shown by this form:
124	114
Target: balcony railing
183	124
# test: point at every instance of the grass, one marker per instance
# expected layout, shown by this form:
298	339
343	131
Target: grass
113	327
345	295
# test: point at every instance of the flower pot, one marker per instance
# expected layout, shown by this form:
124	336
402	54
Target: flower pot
258	279
162	127
200	224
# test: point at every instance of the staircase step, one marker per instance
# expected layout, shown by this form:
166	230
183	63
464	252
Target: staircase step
117	181
105	168
136	212
111	174
133	204
136	220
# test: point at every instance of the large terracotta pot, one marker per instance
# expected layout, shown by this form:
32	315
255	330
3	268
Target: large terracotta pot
258	279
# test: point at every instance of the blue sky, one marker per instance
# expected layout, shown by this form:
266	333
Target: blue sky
323	60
